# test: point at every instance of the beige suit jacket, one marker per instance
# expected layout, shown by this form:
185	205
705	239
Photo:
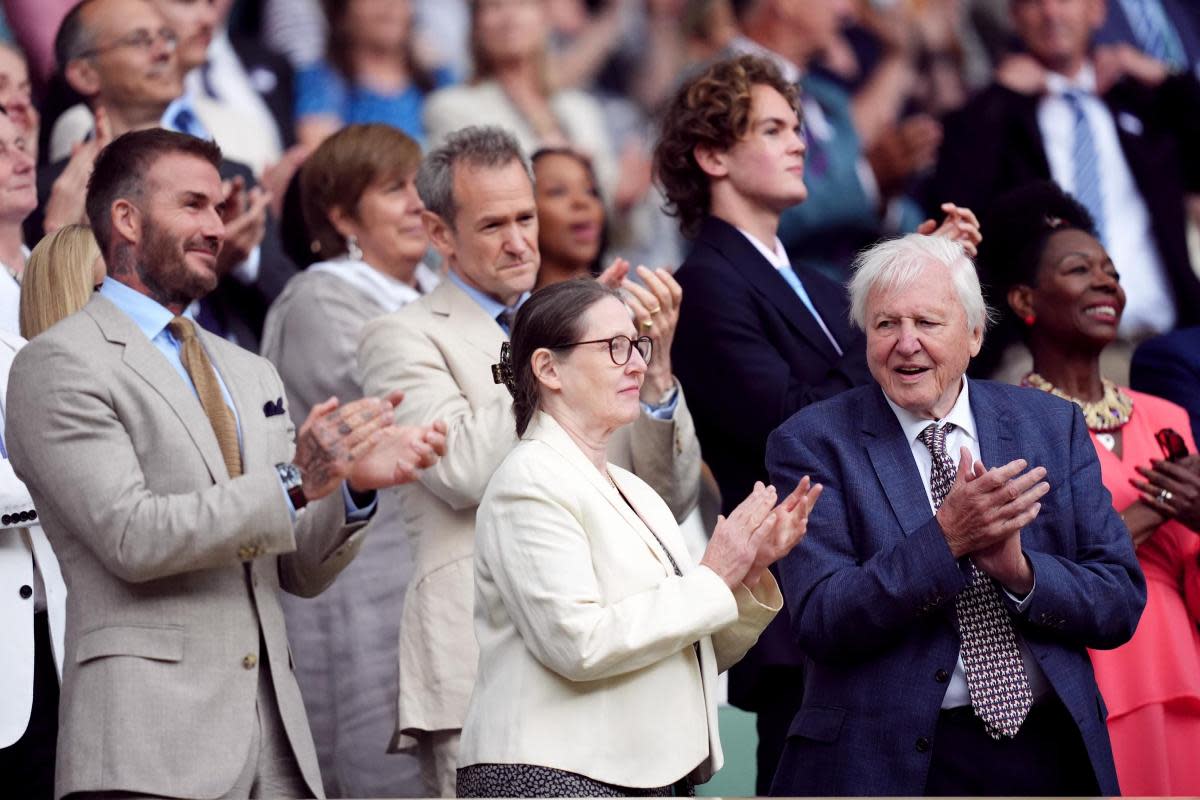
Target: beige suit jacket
173	568
439	350
586	632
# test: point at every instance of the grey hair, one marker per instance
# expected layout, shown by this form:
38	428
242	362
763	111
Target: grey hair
477	146
900	263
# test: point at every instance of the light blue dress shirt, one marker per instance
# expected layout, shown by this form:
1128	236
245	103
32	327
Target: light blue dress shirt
152	319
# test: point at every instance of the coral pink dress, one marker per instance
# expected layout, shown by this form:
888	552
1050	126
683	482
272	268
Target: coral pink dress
1151	684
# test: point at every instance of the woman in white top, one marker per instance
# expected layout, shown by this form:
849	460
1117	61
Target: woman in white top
600	640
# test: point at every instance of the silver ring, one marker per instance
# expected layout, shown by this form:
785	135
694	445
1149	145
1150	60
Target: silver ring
1165	496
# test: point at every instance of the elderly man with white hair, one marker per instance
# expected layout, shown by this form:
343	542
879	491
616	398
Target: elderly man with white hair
963	558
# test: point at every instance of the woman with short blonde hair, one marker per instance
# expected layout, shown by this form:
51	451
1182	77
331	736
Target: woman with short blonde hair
60	276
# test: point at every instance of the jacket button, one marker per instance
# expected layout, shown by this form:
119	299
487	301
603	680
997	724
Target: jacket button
6	519
250	661
26	592
33	514
922	745
941	676
26	516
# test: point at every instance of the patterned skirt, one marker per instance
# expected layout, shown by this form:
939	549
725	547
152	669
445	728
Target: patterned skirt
530	780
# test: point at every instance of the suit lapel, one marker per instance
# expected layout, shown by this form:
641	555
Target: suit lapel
997	446
144	359
1031	132
469	320
891	456
751	264
545	429
244	405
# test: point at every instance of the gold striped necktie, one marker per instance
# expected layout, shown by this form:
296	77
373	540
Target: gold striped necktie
204	378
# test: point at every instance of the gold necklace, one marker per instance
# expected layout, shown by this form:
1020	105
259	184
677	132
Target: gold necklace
1108	413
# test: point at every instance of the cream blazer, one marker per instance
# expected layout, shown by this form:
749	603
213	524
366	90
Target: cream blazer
174	569
439	350
585	632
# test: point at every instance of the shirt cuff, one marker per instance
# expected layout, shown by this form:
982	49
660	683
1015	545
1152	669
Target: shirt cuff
247	271
353	512
665	410
1022	603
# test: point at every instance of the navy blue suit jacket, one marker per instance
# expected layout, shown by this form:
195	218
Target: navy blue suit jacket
749	355
871	588
1169	366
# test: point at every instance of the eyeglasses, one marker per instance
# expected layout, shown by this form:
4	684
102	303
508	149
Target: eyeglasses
141	39
620	348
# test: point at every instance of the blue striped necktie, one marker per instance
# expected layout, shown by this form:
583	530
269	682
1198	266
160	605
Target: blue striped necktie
1154	32
1085	160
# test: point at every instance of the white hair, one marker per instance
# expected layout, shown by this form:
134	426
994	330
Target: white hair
901	263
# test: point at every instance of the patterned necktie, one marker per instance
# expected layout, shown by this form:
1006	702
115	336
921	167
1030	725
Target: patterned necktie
996	676
204	378
1153	31
1085	160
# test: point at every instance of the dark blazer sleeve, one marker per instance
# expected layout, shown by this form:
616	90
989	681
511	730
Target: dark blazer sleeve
1094	596
1167	367
841	606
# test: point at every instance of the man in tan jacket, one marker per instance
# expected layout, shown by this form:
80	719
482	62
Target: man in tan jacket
162	463
481	216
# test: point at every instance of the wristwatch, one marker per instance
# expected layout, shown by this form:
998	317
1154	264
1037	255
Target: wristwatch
293	484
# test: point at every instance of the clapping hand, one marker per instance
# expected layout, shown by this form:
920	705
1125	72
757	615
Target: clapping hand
960	225
338	443
1173	489
786	526
984	512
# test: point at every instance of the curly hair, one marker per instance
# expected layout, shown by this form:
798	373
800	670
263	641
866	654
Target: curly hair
712	110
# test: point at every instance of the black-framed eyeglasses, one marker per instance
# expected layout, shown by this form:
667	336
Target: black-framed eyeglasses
141	39
620	348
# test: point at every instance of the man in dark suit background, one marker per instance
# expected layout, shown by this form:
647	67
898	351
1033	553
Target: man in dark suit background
1113	127
758	339
963	556
1169	366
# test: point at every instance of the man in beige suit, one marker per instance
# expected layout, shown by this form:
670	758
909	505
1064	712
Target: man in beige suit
162	463
481	216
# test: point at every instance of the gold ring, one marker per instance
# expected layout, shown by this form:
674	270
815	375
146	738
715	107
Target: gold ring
656	310
647	324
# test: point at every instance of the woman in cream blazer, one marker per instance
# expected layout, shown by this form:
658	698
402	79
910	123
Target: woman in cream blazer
600	641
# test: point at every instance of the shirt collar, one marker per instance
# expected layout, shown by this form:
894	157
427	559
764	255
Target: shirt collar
490	305
150	316
1084	81
960	414
777	257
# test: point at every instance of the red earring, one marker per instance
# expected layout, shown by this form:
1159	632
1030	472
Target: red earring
1030	319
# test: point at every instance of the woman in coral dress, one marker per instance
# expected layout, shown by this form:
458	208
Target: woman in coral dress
1065	291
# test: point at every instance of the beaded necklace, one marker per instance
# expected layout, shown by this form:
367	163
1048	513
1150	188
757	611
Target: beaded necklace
1102	416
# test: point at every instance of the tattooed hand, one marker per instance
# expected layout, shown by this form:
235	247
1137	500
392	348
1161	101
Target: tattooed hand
335	436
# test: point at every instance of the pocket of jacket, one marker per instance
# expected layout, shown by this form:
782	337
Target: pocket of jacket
819	723
159	643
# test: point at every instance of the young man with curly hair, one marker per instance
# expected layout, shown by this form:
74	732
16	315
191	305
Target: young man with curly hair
758	339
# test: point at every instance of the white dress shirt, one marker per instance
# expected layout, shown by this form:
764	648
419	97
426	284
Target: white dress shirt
964	434
1150	304
10	298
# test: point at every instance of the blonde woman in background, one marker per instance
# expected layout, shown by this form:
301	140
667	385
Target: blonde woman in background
60	276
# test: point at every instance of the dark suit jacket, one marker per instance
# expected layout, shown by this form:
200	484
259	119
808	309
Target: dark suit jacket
871	588
1169	366
994	145
1182	15
750	354
234	310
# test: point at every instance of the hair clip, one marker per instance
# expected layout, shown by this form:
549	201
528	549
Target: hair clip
503	372
1054	223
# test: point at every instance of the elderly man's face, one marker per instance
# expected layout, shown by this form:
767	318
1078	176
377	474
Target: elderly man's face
18	191
1057	32
918	343
493	244
135	58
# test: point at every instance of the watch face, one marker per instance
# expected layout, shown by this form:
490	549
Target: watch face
289	474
